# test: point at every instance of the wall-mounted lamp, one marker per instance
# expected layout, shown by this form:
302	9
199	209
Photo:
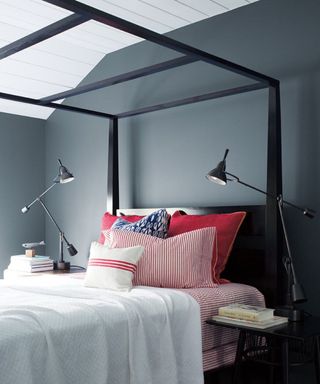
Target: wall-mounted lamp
295	292
64	176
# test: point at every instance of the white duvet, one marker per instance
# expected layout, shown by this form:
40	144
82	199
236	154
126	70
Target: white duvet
53	330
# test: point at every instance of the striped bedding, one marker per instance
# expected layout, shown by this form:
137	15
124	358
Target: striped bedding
218	343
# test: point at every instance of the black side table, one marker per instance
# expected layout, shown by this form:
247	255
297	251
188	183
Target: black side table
260	345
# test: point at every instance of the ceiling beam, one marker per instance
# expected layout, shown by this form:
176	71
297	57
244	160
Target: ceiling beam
64	107
193	99
42	34
134	29
149	70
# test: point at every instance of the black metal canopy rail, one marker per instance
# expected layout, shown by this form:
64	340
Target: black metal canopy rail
83	13
190	54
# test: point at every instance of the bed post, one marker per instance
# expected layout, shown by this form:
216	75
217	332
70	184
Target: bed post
273	261
113	168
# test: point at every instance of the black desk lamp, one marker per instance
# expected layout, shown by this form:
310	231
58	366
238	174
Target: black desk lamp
295	292
64	176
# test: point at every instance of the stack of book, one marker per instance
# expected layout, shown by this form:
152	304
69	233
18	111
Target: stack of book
249	315
22	263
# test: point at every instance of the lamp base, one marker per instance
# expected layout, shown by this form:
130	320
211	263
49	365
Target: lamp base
293	314
61	265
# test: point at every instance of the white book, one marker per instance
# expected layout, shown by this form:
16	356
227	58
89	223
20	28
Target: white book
274	321
30	263
246	312
26	268
34	259
27	264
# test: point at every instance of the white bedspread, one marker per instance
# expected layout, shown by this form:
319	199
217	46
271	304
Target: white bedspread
55	331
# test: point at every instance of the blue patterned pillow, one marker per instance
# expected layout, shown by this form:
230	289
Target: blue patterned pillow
156	224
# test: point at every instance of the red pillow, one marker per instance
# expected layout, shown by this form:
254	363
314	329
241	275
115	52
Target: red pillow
183	261
108	220
227	225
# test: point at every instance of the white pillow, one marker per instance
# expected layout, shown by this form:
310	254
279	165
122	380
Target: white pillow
112	268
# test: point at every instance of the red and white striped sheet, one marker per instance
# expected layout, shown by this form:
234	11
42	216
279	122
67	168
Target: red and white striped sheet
213	338
219	357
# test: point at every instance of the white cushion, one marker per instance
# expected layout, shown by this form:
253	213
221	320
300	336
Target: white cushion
112	268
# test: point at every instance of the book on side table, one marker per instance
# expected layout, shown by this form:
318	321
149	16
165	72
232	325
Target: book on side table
22	263
248	316
246	312
262	324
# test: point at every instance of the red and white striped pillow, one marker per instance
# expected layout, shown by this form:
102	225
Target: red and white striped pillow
112	268
183	261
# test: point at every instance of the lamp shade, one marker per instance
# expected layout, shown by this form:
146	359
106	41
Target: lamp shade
64	176
218	174
297	293
71	249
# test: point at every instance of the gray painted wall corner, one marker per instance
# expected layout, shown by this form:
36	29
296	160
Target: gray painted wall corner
22	179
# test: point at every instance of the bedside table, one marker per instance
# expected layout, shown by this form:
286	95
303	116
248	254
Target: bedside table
283	345
11	275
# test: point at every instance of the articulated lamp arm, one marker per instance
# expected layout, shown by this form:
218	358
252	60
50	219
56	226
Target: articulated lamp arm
64	176
27	207
71	249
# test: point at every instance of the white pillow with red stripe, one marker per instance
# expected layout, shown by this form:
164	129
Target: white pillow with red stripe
182	261
112	268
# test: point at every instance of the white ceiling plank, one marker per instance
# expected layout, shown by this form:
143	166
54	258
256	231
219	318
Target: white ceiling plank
16	68
14	90
24	18
91	36
60	66
158	13
38	8
81	51
206	6
10	33
231	4
174	7
127	15
23	109
48	60
82	37
107	32
26	84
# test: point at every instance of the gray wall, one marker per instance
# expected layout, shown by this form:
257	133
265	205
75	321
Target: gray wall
22	178
166	167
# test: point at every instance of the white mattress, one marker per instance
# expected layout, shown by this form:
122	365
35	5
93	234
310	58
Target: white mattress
55	331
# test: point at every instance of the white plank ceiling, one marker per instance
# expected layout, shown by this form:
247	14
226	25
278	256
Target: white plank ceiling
61	62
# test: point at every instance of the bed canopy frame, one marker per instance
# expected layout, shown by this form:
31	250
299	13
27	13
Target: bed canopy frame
83	13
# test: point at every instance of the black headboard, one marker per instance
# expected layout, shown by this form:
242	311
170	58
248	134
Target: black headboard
250	259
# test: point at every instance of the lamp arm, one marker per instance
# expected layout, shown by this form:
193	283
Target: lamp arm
53	220
27	207
287	260
306	211
237	180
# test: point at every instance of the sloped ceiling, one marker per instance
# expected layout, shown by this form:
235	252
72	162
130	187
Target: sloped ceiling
61	62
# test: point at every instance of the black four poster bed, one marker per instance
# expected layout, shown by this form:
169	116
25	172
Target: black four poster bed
256	256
